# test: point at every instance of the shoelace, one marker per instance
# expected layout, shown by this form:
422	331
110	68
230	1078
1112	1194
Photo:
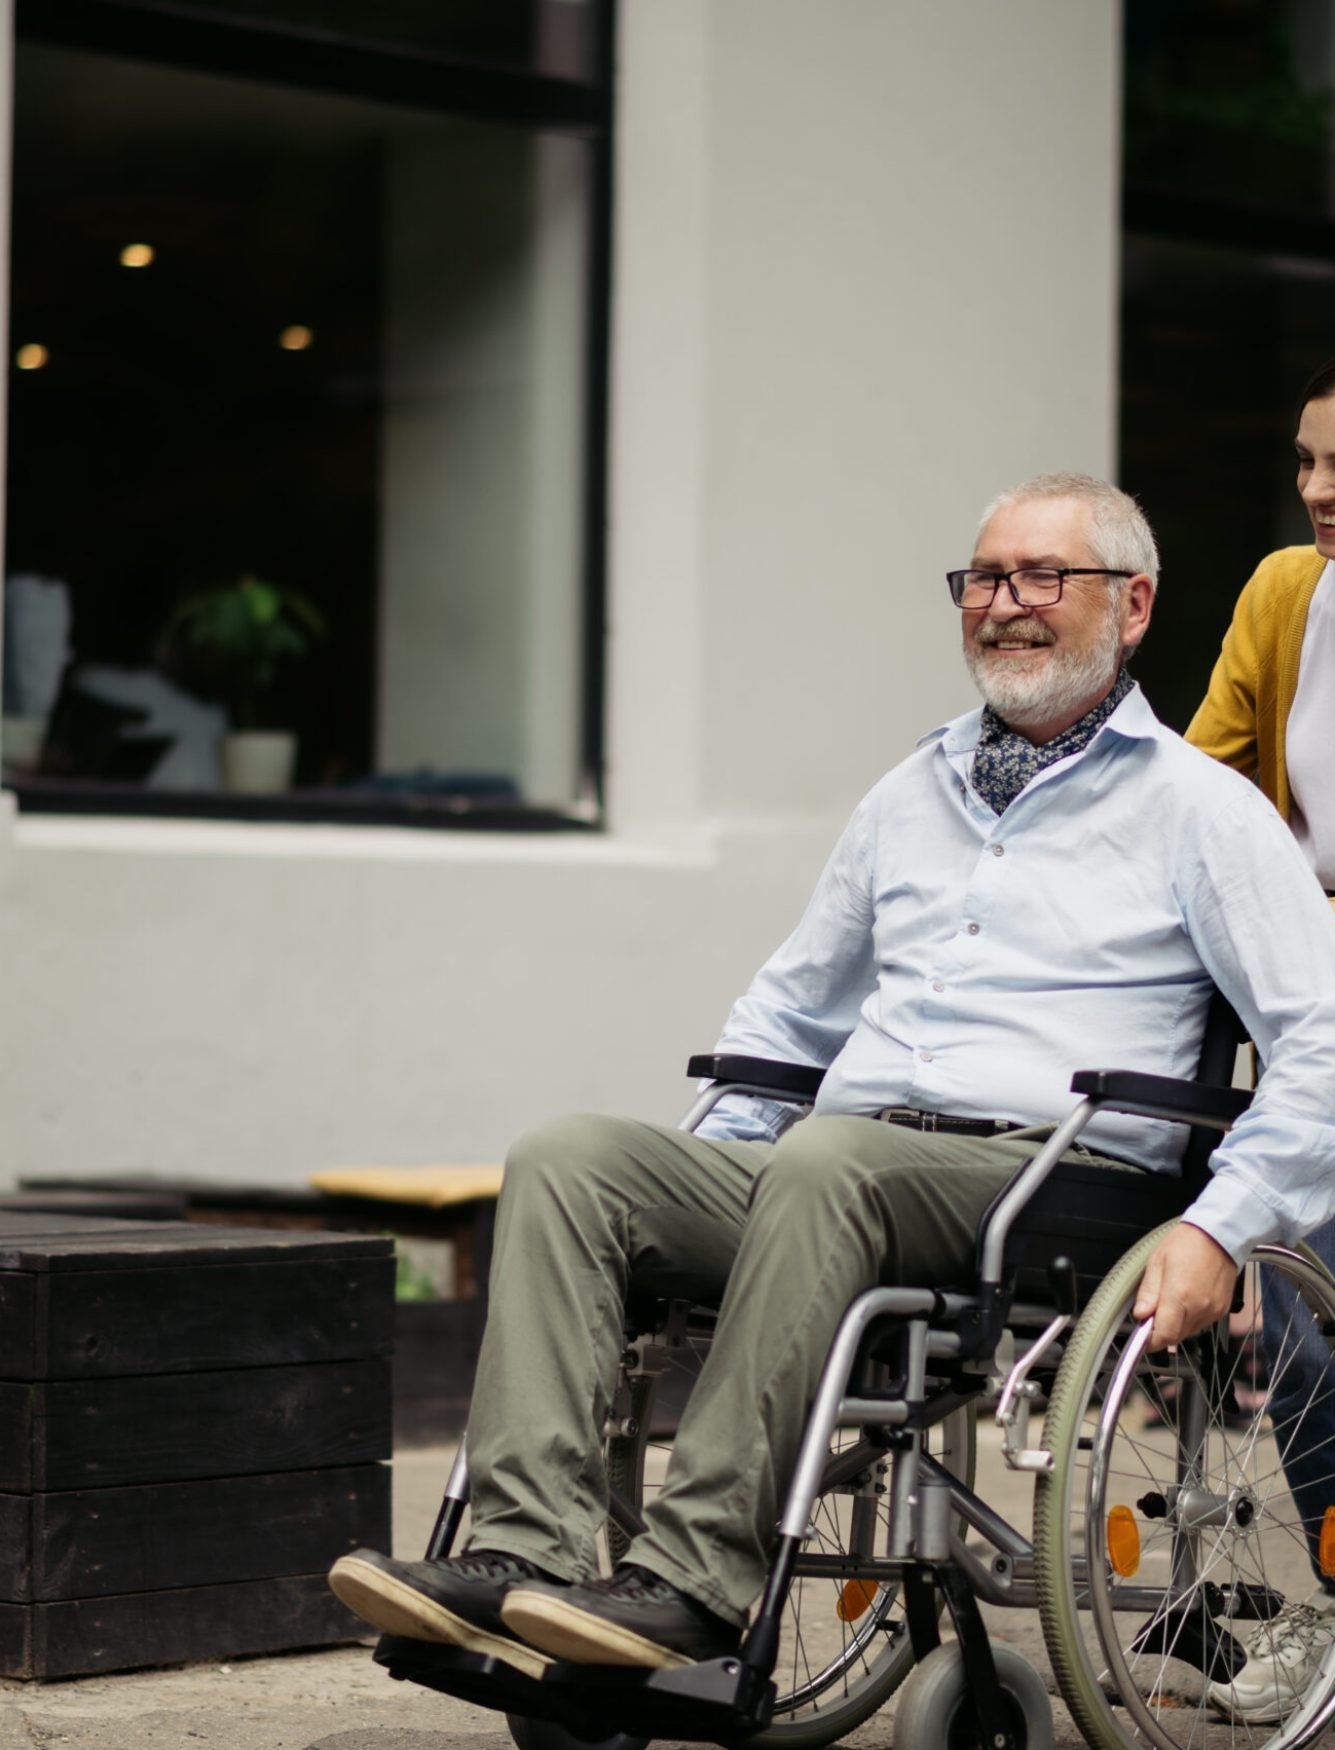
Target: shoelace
1297	1625
633	1582
490	1565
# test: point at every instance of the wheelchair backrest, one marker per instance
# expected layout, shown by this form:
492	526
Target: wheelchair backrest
1224	1032
1093	1214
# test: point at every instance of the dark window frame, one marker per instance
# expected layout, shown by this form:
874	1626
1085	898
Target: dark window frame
182	36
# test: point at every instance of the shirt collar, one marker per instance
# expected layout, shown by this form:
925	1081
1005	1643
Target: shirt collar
1133	719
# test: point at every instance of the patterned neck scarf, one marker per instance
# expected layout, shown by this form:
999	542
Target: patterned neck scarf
1004	762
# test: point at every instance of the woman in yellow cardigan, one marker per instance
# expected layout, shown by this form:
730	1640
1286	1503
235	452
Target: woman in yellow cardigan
1270	712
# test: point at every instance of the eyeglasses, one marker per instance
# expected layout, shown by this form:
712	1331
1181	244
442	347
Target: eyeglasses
1029	588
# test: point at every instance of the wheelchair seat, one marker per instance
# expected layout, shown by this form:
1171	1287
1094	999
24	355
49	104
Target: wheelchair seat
1087	1212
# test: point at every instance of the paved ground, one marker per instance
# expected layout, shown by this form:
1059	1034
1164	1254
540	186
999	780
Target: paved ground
339	1700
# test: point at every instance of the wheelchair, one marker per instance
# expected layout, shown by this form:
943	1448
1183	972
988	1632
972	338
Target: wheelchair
1163	1530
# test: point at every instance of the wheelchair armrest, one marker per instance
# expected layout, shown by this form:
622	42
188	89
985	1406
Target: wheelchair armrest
1127	1090
795	1080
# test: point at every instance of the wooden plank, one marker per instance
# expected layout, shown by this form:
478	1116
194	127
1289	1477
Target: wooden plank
17	1407
97	1542
117	1205
16	1640
183	1318
18	1297
16	1548
177	1426
19	1224
81	1636
27	1237
86	1243
435	1358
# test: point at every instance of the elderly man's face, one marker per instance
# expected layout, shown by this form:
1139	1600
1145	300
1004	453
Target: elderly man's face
1042	668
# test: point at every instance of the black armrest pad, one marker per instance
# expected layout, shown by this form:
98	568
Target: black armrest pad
1188	1102
794	1079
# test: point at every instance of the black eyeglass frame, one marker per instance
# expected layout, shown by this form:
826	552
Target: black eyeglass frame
956	580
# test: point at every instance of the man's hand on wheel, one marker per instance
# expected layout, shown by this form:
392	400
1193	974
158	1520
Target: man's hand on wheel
1188	1284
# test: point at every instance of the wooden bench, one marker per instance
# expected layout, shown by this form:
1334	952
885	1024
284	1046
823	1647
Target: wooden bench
194	1423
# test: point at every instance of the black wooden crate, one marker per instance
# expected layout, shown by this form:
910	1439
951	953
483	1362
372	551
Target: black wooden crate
193	1425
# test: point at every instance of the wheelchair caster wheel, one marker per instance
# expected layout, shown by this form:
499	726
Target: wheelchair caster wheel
933	1711
531	1734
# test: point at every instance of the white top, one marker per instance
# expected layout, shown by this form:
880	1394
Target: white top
964	962
1309	740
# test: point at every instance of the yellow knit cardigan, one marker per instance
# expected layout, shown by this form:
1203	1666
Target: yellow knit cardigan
1241	720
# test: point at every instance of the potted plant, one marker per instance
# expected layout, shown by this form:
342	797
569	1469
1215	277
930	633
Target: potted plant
238	636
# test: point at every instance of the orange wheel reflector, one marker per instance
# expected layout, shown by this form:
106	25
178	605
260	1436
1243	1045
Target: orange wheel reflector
1326	1545
1123	1542
856	1597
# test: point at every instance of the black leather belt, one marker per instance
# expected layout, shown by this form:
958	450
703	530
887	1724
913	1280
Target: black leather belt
912	1119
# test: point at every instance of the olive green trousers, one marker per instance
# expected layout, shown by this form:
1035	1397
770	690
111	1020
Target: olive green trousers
838	1205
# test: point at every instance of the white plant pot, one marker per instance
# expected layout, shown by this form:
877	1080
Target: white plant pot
258	762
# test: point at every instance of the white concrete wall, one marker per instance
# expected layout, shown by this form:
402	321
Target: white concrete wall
863	278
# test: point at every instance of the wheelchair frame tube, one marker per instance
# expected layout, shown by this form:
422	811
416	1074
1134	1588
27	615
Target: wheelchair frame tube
451	1508
709	1097
1023	1186
907	1303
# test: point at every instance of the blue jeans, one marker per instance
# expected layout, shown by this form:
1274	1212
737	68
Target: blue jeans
1302	1408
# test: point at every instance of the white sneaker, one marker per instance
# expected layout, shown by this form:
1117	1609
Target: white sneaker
1282	1659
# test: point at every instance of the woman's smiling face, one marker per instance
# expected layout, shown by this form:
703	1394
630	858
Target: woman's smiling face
1315	444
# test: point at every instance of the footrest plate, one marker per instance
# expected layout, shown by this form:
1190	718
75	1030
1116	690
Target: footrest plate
717	1701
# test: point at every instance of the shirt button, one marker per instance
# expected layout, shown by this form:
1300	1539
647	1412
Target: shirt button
998	850
937	984
974	929
925	1056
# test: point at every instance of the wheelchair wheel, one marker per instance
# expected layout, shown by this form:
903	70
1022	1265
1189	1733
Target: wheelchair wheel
932	1710
1166	1536
844	1646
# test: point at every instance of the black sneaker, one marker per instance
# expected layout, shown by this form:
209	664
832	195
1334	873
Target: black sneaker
633	1618
456	1601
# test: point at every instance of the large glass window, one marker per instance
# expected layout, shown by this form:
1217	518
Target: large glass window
304	418
1228	298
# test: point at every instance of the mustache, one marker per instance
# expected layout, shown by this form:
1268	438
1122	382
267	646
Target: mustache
1014	632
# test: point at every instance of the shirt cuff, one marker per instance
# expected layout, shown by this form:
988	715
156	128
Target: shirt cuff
1234	1217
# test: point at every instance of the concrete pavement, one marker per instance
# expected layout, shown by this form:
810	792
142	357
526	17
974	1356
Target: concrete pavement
337	1699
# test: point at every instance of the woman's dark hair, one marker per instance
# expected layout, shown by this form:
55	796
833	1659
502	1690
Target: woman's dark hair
1320	386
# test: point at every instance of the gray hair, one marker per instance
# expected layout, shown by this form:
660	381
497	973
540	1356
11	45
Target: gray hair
1120	537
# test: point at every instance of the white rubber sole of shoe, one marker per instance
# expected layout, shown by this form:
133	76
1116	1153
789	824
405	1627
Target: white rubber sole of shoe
390	1605
566	1632
1267	1712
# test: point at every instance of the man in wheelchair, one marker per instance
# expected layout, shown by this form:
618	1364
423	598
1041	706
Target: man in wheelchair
1053	881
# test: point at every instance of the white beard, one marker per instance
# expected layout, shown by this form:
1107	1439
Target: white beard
1024	695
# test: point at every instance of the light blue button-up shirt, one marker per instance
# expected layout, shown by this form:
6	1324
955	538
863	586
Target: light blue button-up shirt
957	961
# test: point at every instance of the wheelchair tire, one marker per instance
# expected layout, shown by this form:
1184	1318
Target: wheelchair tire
931	1711
1166	1531
545	1735
843	1650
